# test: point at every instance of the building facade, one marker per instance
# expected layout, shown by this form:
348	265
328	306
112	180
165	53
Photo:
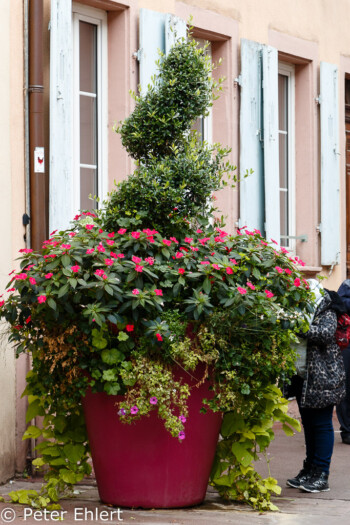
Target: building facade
284	110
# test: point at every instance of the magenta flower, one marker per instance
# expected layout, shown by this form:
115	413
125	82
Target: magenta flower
241	290
251	286
89	226
182	419
122	231
153	400
122	412
134	410
158	292
120	255
288	271
268	293
135	235
216	267
174	239
101	248
129	327
75	269
181	435
188	239
181	271
110	235
297	282
150	260
66	246
110	242
135	291
138	268
100	272
179	255
32	280
2	303
135	259
205	262
21	277
109	262
279	269
233	261
264	243
229	270
159	337
167	242
48	275
42	298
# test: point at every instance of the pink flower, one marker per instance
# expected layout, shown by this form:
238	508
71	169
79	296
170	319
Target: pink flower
288	271
273	240
75	269
120	255
89	226
122	412
297	282
159	337
199	231
150	260
158	292
110	235
2	303
11	289
229	270
135	291
167	242
53	233
181	271
136	259
279	269
109	262
29	267
182	419
135	235
100	272
181	435
179	255
204	240
268	293
129	327
134	410
121	231
65	246
42	298
48	275
113	255
26	250
21	277
174	240
101	248
284	250
72	234
188	239
32	280
204	262
138	268
153	400
194	248
241	290
216	267
251	286
110	243
90	250
150	238
264	243
233	261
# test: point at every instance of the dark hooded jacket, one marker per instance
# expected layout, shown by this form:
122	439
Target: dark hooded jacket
344	292
324	384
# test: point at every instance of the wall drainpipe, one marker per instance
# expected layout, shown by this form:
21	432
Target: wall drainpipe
38	197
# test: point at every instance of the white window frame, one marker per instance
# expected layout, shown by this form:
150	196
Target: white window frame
98	18
208	120
288	70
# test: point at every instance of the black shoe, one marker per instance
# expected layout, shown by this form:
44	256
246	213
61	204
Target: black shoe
317	482
346	439
300	478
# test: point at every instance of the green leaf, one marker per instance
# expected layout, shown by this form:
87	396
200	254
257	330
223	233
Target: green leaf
66	260
122	336
68	476
74	452
206	285
34	409
63	291
32	432
112	356
242	454
52	304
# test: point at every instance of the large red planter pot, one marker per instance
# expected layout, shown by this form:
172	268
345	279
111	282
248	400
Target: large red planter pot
141	464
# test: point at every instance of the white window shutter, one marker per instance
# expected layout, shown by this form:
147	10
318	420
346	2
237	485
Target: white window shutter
61	208
152	39
251	152
175	29
271	143
330	205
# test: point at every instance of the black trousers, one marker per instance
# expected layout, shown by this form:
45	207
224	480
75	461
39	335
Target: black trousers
343	409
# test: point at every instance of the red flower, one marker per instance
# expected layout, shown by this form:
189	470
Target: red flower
32	280
159	337
75	269
135	291
138	268
297	282
42	298
109	262
229	270
241	290
122	231
135	235
129	327
135	259
158	292
48	275
268	293
181	271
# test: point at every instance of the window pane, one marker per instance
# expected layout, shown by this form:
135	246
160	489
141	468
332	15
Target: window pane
88	130
87	52
88	186
284	216
282	102
198	126
283	160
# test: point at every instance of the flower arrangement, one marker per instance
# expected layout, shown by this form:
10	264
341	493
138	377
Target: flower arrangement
126	294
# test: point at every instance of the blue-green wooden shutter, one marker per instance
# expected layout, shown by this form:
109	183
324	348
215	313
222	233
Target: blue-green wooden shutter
158	32
271	143
330	204
251	151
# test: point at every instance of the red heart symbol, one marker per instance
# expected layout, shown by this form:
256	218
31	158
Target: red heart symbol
40	160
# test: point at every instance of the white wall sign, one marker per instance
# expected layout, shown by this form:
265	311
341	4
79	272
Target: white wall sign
39	160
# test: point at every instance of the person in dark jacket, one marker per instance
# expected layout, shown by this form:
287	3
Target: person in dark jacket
343	408
317	394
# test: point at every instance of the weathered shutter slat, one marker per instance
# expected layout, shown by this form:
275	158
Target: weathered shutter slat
175	29
330	205
152	39
61	115
251	153
271	143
